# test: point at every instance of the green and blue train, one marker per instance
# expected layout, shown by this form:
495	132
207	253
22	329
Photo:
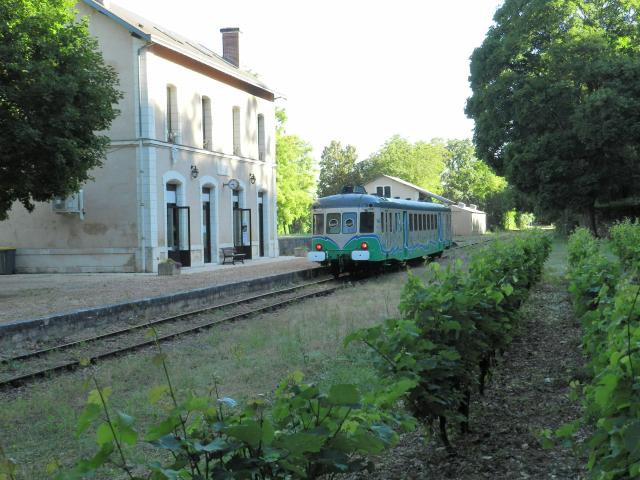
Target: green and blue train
354	230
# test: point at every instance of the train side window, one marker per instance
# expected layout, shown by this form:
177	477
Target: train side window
424	221
435	218
333	223
382	221
349	220
318	223
366	222
390	222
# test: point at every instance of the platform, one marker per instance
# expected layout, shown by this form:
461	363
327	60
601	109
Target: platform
38	301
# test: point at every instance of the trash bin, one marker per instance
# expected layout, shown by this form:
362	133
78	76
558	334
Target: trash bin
7	260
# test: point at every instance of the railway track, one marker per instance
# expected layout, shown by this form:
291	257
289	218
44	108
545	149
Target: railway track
21	369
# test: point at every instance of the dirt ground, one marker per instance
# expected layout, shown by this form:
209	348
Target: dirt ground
34	295
528	393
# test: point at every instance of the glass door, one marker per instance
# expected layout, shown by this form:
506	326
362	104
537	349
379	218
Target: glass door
242	231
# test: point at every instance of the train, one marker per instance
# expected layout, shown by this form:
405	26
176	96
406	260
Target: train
355	231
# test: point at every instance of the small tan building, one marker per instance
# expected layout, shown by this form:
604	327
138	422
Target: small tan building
466	220
190	170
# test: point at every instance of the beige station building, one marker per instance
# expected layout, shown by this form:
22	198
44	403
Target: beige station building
191	166
465	219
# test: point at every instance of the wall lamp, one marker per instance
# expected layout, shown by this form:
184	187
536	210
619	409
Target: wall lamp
252	178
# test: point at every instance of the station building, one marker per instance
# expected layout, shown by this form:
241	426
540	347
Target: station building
465	219
191	166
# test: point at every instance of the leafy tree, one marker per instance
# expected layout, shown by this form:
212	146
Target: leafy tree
468	179
337	168
556	101
420	163
295	179
55	92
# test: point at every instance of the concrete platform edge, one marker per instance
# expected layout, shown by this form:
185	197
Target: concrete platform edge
57	324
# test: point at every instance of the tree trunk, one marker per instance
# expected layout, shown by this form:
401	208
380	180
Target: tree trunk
592	220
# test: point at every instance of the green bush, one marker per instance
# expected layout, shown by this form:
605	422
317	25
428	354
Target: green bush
452	325
625	242
606	299
302	432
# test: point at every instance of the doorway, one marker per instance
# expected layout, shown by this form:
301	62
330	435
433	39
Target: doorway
261	222
242	231
179	234
206	223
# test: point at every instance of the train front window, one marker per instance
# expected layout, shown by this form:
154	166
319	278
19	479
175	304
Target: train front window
366	222
333	223
318	223
349	222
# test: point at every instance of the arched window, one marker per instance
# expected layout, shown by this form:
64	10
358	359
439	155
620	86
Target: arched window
206	124
236	131
261	139
172	120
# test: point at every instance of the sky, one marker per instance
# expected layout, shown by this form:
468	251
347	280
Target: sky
355	71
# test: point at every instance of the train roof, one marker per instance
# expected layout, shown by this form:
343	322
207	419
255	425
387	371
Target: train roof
357	200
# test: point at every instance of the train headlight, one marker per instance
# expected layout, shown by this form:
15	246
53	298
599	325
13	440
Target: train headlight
364	245
318	247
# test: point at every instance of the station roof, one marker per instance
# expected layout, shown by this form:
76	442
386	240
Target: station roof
157	34
357	200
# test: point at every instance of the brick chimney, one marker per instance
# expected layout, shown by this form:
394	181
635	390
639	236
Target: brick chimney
231	45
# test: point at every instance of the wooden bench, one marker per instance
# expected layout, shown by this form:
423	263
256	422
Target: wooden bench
230	252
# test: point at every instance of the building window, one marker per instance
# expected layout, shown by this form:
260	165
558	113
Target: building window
380	191
387	192
236	131
172	121
262	151
206	123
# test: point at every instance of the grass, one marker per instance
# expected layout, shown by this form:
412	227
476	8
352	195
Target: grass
248	358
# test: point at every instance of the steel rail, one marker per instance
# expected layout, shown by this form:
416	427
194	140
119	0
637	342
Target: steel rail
159	321
73	364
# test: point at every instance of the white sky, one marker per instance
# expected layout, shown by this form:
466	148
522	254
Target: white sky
352	70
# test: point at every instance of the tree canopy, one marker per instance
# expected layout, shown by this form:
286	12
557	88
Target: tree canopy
420	163
556	100
55	93
337	168
466	178
295	179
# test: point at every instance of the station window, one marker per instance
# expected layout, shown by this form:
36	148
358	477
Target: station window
379	191
349	222
333	223
318	223
387	192
366	222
